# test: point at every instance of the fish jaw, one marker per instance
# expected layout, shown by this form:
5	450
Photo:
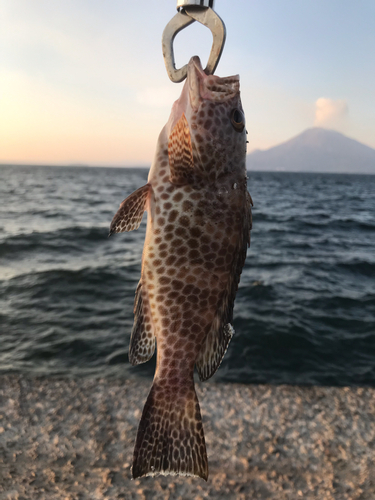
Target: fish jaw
200	87
209	87
210	104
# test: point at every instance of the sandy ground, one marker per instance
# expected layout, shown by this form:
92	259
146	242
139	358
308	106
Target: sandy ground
73	439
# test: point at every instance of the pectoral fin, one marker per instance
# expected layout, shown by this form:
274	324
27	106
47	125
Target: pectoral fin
180	153
130	213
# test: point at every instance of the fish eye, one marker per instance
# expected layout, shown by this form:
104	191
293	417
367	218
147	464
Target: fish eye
238	120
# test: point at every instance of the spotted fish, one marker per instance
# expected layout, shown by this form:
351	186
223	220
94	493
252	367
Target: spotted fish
198	231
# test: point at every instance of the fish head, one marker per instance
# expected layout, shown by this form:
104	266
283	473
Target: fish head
214	123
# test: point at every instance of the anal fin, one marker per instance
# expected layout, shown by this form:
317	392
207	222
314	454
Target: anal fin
130	213
214	348
142	340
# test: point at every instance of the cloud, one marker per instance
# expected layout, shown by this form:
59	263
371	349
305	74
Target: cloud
330	113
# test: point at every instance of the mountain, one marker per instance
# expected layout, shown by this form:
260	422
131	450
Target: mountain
316	150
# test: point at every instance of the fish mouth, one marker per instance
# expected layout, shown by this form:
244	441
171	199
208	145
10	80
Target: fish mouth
210	87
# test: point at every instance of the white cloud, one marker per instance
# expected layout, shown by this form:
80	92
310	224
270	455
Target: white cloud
330	113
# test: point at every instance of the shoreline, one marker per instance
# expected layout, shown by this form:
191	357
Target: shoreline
72	438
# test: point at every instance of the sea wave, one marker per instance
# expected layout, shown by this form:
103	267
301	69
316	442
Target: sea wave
305	308
62	240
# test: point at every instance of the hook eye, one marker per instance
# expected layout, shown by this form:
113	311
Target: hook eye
181	20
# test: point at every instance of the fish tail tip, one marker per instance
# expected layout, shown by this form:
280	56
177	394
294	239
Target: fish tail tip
137	473
157	452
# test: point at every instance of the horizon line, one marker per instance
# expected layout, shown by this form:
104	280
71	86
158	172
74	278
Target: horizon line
48	165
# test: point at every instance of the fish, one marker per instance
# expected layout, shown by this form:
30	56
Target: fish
198	231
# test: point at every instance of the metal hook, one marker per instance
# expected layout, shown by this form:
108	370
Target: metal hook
185	17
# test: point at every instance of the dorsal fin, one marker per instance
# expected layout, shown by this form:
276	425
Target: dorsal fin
180	153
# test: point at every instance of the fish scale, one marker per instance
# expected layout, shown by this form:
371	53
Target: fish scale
198	231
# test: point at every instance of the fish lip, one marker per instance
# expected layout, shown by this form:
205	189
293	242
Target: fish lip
211	87
196	77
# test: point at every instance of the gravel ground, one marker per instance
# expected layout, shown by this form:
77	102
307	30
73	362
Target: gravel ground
73	439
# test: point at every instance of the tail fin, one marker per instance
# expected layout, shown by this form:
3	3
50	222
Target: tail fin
170	437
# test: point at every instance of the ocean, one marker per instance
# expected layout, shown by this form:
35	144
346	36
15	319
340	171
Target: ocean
305	308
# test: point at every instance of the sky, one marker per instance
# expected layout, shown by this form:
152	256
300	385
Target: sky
84	82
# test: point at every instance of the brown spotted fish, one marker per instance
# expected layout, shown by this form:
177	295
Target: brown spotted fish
198	231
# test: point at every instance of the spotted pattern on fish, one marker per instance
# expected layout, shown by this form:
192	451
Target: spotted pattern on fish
198	231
